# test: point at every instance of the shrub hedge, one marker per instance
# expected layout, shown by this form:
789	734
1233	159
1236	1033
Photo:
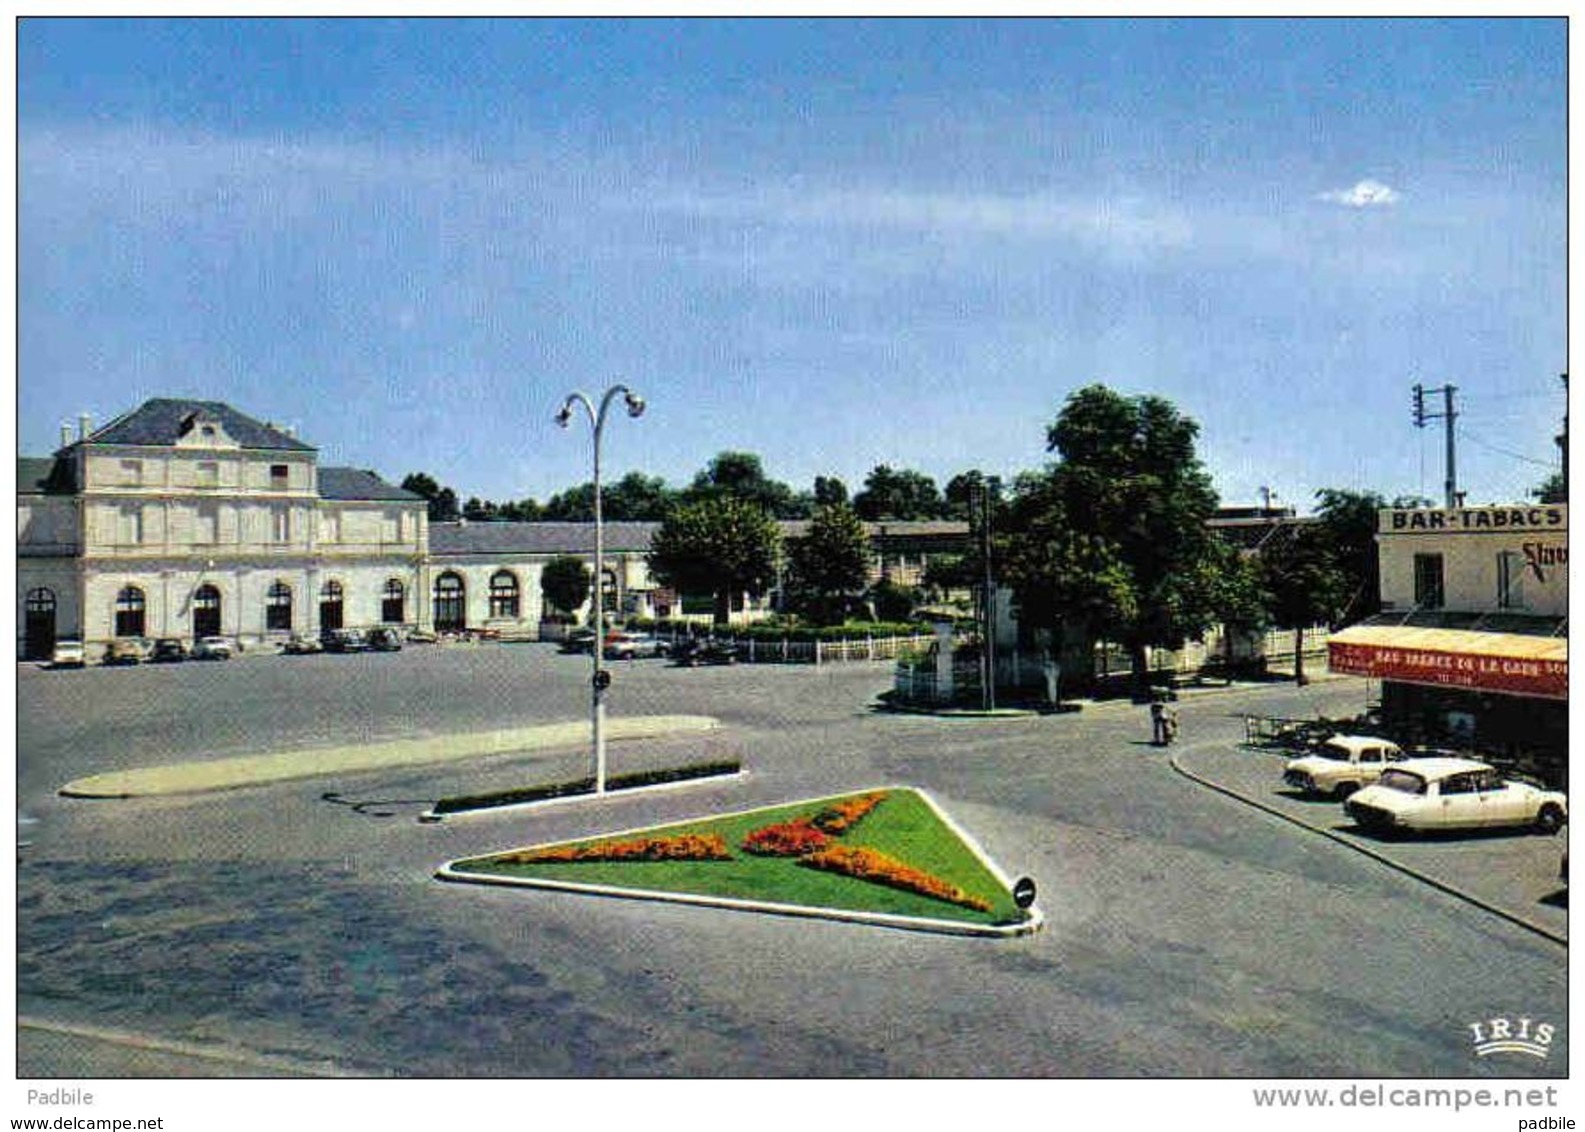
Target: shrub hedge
540	793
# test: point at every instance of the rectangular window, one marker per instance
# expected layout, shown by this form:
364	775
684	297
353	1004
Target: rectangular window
132	473
207	474
130	532
330	527
279	477
206	524
280	524
1428	592
1510	580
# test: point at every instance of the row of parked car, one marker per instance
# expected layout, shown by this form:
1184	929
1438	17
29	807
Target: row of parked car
1388	791
620	644
344	641
70	653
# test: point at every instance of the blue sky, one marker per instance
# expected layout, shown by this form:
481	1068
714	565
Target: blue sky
833	243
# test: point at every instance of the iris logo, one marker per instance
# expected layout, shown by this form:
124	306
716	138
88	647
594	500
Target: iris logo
1512	1035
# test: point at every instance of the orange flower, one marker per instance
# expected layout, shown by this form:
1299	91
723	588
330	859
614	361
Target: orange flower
785	839
878	868
684	847
841	817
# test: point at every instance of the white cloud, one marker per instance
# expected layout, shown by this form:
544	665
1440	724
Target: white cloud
1365	194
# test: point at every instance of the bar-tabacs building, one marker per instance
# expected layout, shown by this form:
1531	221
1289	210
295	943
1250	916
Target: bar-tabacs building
1471	646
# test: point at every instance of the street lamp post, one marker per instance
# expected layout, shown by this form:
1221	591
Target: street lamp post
981	500
599	679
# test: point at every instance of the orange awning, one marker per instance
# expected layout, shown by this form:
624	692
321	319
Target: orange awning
1514	664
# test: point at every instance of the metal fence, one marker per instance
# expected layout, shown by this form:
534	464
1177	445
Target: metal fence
1019	670
785	650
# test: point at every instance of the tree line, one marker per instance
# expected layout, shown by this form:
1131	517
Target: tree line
1110	540
887	494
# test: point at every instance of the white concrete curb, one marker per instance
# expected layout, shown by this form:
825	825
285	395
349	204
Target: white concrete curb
393	754
1033	923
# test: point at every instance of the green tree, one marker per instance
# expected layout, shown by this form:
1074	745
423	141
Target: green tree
1065	580
420	483
829	490
721	546
830	562
1348	521
442	500
574	505
1554	489
633	497
564	582
1299	569
957	496
892	601
523	511
741	476
901	495
1113	536
1237	595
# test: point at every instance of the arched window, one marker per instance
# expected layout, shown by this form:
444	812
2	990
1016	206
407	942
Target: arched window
278	607
129	612
206	611
331	605
450	603
393	603
503	594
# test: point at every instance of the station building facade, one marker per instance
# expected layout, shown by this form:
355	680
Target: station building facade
189	519
1471	645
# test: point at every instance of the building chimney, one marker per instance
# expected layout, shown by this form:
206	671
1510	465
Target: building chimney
85	425
66	433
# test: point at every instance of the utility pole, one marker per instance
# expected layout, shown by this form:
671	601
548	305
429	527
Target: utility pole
1562	440
1448	416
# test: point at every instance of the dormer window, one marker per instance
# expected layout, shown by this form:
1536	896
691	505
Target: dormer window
203	429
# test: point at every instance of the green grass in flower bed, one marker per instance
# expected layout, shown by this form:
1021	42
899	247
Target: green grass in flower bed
904	826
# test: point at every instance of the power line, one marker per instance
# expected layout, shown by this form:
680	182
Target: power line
1467	435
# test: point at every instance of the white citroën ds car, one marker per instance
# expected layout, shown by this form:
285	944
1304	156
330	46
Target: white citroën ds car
1449	793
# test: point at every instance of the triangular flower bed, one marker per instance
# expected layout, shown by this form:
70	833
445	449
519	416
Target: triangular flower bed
888	856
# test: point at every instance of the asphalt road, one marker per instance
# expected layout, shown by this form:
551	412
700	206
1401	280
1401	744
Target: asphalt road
1188	935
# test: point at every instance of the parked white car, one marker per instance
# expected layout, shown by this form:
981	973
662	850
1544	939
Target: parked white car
1452	793
1342	765
68	653
211	648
